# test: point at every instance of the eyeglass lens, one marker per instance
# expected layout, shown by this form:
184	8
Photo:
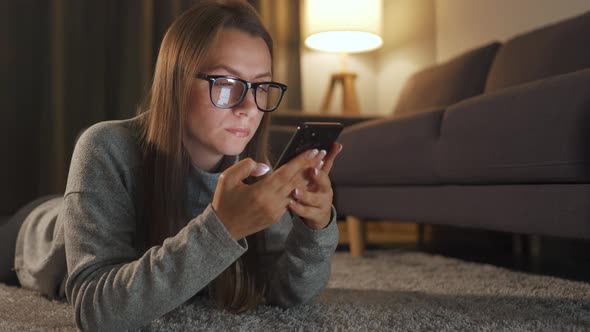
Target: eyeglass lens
226	92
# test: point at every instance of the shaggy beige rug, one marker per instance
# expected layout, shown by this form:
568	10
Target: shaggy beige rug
386	291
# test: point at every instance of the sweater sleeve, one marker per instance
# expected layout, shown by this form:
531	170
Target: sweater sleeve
297	260
110	285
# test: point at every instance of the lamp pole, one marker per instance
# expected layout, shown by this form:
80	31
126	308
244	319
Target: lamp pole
350	103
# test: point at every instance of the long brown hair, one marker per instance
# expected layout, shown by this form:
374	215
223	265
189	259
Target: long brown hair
183	51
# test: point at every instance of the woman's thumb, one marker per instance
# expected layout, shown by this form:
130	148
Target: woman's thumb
243	169
260	169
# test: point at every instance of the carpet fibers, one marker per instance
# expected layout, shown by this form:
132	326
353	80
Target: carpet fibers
389	290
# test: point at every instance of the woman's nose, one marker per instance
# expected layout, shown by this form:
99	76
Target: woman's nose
248	105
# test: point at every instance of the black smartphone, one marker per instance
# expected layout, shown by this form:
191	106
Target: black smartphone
310	135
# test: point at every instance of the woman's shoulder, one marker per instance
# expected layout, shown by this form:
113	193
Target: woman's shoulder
115	132
107	155
115	144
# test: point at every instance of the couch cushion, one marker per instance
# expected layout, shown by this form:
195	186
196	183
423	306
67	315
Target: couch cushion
556	49
533	133
447	83
551	209
389	151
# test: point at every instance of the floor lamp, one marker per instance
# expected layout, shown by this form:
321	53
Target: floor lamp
343	26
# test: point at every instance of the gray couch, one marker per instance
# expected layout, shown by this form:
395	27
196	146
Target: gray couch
497	138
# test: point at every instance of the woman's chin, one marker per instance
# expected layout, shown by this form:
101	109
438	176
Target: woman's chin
233	150
233	146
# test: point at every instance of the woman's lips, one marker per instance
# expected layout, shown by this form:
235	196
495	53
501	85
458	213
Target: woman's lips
239	132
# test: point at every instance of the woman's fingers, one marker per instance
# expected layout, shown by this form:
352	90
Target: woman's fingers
234	175
318	193
313	217
294	173
329	160
313	203
319	180
304	211
308	198
262	203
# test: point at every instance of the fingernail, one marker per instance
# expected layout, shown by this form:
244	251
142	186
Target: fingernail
340	148
316	171
261	169
311	154
323	153
321	164
297	192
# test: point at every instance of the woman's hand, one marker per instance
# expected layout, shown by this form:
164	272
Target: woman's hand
313	202
246	209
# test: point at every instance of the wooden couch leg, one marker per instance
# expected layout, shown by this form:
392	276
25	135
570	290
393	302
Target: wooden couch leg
356	236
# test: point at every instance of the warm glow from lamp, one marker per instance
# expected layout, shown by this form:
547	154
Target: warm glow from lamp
342	25
344	41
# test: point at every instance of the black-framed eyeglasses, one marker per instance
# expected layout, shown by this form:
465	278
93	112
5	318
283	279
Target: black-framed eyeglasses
229	91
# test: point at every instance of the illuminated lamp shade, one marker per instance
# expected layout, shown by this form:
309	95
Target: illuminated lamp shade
342	25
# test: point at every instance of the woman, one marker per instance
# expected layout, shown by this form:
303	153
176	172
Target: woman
156	209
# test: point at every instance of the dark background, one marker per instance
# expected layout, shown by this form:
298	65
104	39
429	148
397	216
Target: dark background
68	64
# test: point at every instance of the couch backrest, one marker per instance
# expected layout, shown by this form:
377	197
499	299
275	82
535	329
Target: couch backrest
556	49
441	85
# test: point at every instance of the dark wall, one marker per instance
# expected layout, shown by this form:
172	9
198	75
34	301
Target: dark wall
65	65
23	59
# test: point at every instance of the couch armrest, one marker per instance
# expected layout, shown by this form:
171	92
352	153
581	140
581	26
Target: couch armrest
389	151
536	132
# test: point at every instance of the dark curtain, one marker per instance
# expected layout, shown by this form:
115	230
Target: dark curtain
281	17
65	65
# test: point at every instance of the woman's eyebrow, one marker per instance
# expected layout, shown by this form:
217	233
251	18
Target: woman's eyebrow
237	73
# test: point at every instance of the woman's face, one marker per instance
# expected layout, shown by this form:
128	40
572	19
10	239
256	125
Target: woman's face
213	132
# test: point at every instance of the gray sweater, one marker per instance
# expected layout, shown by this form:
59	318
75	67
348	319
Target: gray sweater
84	246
